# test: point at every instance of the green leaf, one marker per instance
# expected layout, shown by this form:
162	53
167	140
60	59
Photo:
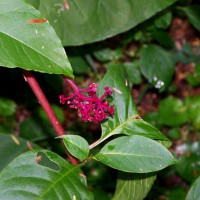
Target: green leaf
25	178
133	186
134	74
32	130
126	119
157	65
7	107
193	193
193	79
10	147
79	64
96	20
193	14
135	154
164	20
193	104
76	145
31	46
172	112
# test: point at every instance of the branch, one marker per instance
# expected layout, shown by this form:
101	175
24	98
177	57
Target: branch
28	76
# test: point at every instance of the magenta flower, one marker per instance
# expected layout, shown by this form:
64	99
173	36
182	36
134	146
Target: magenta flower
86	101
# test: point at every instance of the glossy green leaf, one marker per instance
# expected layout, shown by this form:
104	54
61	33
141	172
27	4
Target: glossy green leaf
193	193
172	112
96	20
10	147
133	186
135	154
31	46
7	107
193	13
25	178
157	65
126	119
76	145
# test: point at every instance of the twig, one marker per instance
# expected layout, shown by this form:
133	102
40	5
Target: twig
28	76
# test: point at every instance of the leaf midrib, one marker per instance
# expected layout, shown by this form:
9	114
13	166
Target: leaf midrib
129	155
54	183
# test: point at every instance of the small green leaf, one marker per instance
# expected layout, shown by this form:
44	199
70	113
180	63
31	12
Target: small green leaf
133	186
193	193
7	107
172	112
11	146
164	20
193	104
157	65
25	178
76	145
193	13
193	79
31	129
31	46
135	154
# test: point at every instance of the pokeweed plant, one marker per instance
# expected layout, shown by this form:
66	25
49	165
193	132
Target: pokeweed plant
138	150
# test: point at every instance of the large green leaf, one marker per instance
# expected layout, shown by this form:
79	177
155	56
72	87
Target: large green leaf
194	193
126	119
11	146
135	154
157	65
29	45
96	20
25	178
133	186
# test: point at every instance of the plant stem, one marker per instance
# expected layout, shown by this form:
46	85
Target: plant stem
28	76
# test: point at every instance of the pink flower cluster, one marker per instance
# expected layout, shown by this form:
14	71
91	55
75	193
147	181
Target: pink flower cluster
89	106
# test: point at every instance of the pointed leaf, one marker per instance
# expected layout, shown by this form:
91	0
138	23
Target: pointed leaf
135	154
193	193
11	146
24	178
27	44
133	186
193	13
78	22
76	145
126	119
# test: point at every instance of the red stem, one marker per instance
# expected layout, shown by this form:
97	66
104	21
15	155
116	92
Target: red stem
28	76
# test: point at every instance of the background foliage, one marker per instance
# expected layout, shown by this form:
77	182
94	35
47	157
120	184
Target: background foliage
150	47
